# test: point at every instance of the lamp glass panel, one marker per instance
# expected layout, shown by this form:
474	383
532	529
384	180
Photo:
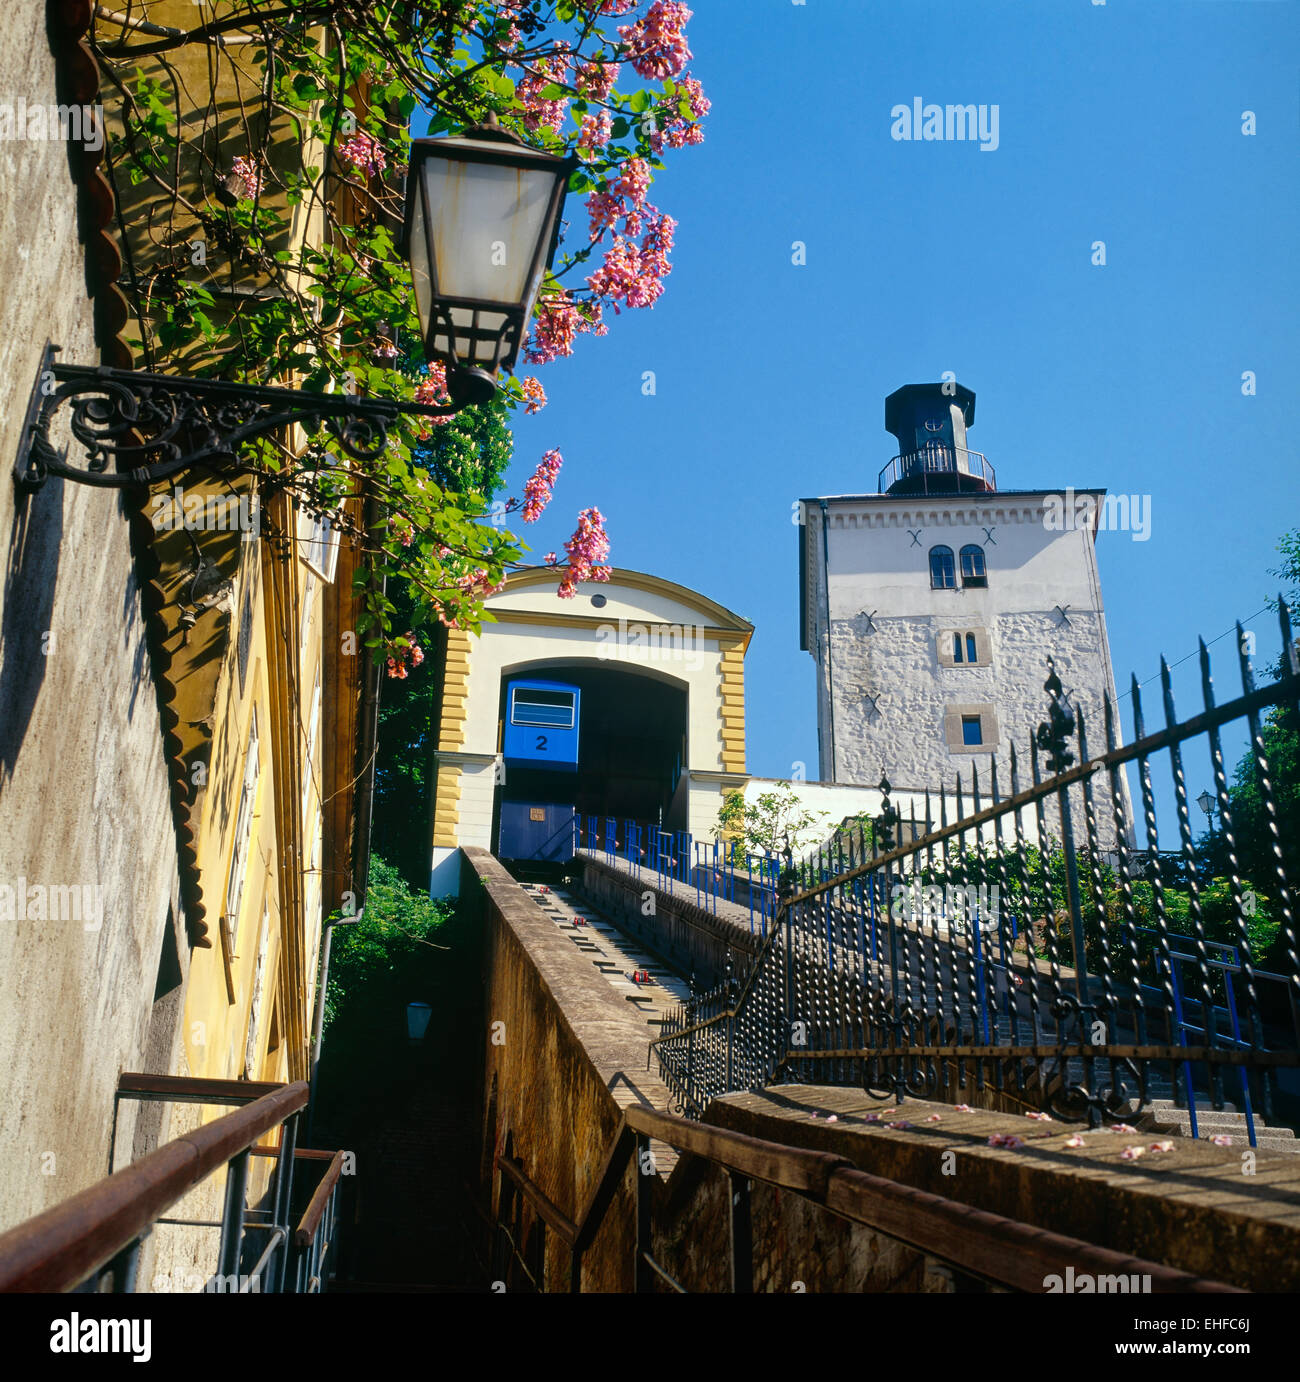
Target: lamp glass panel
487	222
420	261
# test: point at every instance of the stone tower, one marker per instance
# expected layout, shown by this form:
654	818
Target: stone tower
932	606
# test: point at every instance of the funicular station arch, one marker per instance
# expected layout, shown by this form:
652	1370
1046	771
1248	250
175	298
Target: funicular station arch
626	701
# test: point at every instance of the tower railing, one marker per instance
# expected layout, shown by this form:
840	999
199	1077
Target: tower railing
933	466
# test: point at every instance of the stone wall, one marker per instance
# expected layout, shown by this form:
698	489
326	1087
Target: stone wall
84	788
564	1060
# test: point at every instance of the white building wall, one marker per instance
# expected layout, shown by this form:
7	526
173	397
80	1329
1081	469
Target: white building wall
1043	600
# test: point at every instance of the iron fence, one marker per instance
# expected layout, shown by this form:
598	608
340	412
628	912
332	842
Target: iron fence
1000	957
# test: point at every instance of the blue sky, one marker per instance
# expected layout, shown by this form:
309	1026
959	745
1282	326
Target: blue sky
1120	123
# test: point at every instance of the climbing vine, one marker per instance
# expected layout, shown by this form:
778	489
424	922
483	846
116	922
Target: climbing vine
258	159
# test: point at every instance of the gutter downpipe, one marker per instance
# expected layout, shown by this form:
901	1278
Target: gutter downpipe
318	1024
830	665
367	748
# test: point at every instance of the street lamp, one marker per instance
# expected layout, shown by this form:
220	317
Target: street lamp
418	1016
482	222
1206	802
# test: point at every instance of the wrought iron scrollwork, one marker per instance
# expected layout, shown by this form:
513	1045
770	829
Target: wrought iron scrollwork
137	429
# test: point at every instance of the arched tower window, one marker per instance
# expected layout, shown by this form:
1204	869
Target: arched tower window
972	566
943	574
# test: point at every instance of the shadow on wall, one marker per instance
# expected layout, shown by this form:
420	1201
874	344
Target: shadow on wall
26	615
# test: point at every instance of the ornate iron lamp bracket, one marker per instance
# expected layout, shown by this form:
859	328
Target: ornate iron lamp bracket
153	426
1055	732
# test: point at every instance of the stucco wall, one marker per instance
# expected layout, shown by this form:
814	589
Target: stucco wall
83	786
888	652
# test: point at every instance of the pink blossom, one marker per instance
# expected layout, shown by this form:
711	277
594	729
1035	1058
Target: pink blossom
935	1118
595	80
631	274
539	485
682	130
1040	1117
655	44
384	349
550	559
1221	1140
1122	1127
559	321
871	1118
1075	1141
588	547
433	392
964	1108
604	209
900	1125
245	170
1164	1146
550	71
1009	1140
1132	1153
633	182
363	153
595	132
535	394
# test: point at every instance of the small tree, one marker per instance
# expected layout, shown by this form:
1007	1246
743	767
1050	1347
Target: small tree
768	823
376	960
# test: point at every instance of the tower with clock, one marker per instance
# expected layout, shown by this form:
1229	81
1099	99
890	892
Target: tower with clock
931	606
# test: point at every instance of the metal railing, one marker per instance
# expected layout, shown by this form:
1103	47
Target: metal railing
969	962
987	1246
934	469
94	1238
718	871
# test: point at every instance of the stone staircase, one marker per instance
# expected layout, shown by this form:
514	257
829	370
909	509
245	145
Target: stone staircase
1164	1116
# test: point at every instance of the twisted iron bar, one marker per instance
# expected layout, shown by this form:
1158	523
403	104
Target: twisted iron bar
824	1000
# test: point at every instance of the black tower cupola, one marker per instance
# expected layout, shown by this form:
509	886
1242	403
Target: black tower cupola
930	422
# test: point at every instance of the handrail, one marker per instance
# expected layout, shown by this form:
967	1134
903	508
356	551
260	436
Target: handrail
319	1202
61	1247
987	1245
546	1207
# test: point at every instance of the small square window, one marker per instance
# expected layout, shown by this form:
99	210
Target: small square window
970	730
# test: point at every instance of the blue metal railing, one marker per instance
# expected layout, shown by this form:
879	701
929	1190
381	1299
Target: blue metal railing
717	870
1209	1027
